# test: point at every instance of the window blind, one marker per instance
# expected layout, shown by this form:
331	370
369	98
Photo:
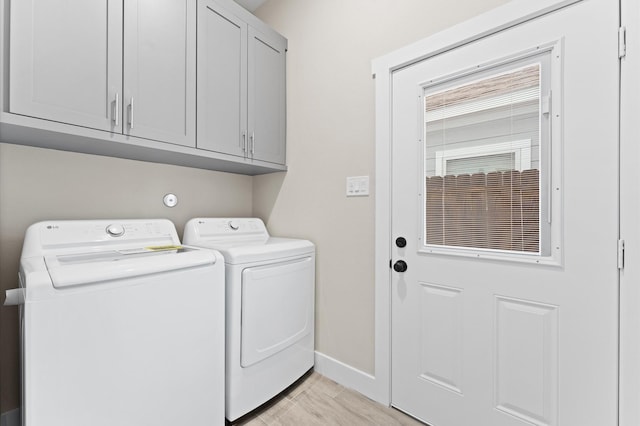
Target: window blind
481	198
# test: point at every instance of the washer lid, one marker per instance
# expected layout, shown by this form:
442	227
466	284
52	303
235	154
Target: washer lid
93	267
236	252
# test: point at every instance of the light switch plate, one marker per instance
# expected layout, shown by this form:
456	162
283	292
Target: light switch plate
357	186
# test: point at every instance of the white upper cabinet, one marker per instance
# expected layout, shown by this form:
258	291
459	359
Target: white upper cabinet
267	108
222	80
159	70
68	59
196	83
64	68
241	86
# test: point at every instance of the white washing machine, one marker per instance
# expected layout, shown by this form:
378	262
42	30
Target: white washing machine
270	307
120	325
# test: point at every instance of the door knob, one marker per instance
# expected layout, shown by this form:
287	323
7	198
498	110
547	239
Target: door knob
401	242
400	266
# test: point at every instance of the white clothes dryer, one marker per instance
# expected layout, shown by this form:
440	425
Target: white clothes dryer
120	325
270	307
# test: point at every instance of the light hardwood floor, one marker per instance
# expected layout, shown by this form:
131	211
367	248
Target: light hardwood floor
315	400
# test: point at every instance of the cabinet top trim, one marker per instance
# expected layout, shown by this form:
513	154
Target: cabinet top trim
250	19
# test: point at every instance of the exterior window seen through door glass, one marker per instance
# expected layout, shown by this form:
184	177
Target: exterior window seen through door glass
483	161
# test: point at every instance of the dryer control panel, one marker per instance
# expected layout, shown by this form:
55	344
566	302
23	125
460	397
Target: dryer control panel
225	228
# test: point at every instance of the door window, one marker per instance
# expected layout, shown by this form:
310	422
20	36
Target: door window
485	139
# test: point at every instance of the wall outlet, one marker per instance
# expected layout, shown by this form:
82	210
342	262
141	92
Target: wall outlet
357	186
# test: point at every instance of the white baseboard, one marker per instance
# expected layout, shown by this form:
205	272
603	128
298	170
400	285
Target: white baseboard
349	377
10	418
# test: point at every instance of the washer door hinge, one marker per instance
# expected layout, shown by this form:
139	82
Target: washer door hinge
622	42
620	254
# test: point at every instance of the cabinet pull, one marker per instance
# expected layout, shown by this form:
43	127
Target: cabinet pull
131	113
116	112
253	142
244	141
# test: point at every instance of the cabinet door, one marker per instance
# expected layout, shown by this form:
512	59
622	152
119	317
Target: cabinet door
159	70
222	80
267	110
66	61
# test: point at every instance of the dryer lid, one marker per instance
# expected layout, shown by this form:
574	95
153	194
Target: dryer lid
237	252
242	240
93	267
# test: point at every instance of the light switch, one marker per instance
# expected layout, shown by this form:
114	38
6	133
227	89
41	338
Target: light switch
357	186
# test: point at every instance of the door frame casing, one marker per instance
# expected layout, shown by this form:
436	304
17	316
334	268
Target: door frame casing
494	21
629	373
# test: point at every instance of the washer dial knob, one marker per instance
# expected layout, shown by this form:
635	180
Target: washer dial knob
234	225
115	230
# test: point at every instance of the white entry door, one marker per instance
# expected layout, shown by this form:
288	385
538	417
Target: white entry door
505	226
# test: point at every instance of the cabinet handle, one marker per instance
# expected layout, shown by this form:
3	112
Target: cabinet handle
253	142
131	113
244	141
116	113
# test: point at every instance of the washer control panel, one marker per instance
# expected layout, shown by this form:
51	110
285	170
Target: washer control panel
85	233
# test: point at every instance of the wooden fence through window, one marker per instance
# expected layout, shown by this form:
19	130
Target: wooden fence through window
498	210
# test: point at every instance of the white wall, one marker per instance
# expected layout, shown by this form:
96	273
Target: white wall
330	133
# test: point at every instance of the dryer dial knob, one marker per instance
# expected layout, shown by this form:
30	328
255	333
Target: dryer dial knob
115	230
234	225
